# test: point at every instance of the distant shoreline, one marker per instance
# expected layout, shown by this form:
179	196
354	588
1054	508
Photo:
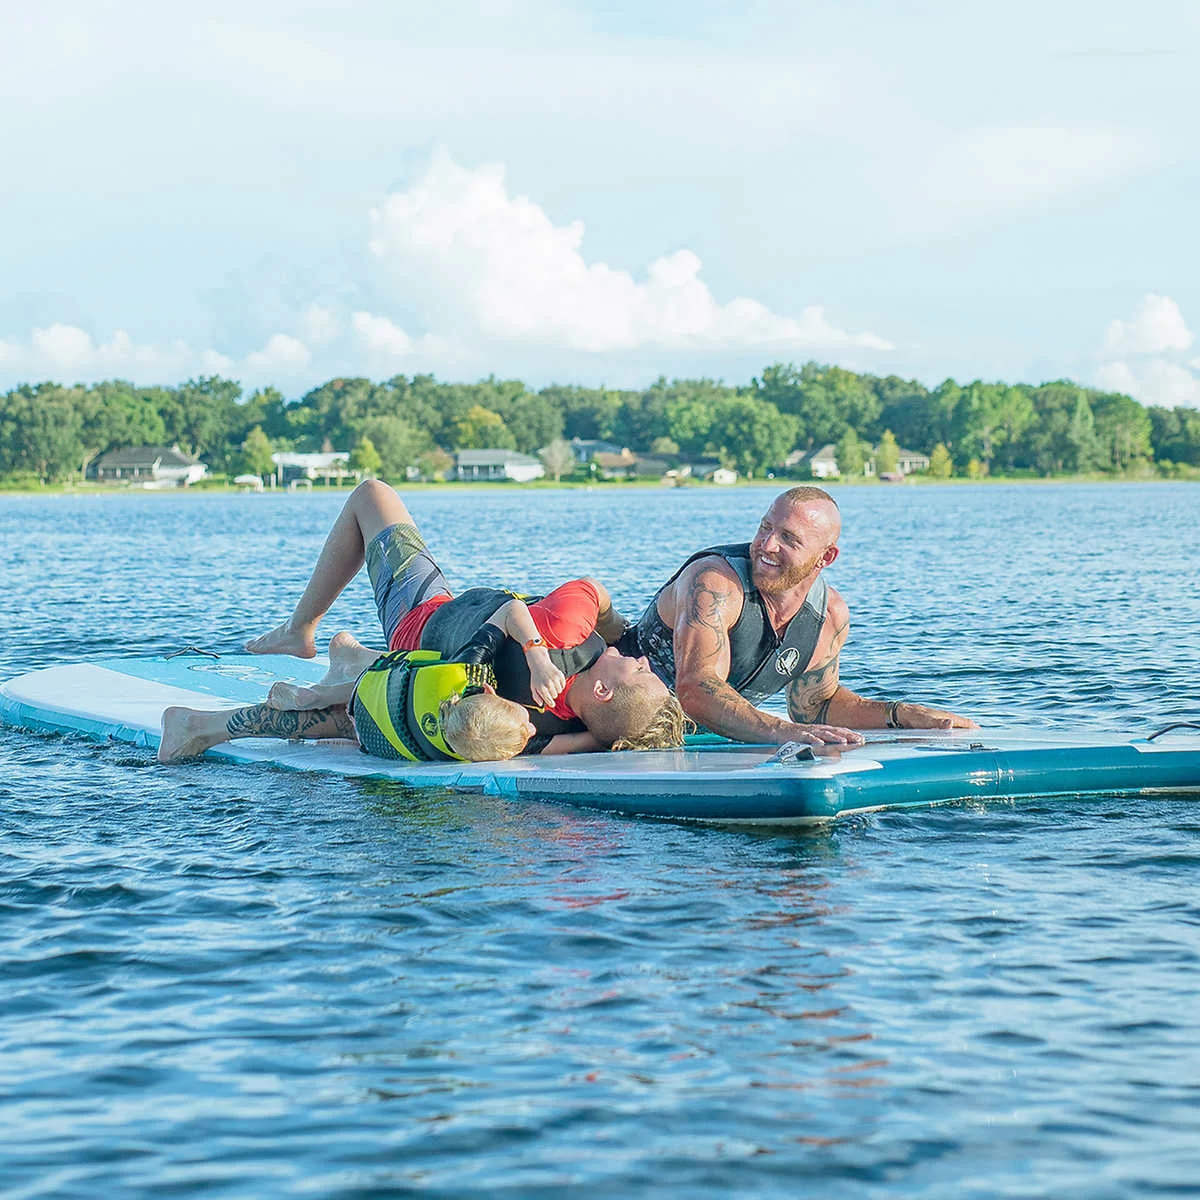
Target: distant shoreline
614	486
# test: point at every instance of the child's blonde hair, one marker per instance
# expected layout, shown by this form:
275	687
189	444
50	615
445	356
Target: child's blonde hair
639	717
484	728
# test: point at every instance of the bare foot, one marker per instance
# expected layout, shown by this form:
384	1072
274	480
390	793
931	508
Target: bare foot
348	659
283	639
186	733
292	697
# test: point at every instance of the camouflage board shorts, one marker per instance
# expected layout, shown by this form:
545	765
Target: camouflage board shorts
402	573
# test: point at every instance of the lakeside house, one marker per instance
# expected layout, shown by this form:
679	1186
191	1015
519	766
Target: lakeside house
585	449
822	463
302	469
908	462
491	465
627	465
150	466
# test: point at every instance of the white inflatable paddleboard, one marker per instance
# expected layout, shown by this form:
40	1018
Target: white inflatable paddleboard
123	700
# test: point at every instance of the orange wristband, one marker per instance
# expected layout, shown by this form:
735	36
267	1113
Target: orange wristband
536	640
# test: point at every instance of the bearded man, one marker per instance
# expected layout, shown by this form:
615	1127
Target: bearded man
736	624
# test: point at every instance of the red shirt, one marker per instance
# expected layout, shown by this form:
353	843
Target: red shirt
565	618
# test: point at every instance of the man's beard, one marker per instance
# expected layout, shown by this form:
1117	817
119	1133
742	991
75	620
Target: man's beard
778	581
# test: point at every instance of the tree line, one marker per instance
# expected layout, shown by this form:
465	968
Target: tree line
51	433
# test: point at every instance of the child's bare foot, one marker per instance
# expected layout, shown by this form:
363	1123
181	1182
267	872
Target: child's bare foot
292	697
283	639
186	733
348	659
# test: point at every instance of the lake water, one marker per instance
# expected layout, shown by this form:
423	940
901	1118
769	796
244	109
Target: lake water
231	981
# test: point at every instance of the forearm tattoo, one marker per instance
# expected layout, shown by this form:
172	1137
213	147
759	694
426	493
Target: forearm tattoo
262	721
809	695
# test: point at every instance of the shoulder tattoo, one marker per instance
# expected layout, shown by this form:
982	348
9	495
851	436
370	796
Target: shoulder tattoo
706	610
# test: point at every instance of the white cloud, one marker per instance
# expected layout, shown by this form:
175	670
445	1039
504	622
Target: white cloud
1156	326
1152	381
380	336
387	343
1143	356
482	264
321	325
68	352
282	352
473	278
991	170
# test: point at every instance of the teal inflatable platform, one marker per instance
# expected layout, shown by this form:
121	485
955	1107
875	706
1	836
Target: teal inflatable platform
123	700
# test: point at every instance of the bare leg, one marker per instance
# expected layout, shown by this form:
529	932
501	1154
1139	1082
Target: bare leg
370	509
188	732
348	659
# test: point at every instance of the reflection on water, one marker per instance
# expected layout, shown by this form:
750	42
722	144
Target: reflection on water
221	978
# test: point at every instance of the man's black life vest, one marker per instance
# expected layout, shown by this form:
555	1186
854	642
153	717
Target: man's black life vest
761	662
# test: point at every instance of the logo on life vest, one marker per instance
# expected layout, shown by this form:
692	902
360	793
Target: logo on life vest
429	724
787	660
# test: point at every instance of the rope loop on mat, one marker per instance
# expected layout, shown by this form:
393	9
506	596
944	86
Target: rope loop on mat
1177	725
192	650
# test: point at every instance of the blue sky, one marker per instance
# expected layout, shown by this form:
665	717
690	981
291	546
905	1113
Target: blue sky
600	193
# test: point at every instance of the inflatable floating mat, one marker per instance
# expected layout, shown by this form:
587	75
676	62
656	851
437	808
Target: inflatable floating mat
716	781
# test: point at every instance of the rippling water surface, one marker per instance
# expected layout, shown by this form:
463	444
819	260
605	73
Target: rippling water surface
222	980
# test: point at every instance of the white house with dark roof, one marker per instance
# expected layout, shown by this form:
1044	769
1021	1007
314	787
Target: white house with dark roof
910	461
151	466
328	464
493	465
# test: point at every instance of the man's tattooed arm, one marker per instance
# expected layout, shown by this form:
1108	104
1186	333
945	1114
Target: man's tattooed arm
809	695
260	720
705	612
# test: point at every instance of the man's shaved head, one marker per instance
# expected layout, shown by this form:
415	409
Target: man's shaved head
796	538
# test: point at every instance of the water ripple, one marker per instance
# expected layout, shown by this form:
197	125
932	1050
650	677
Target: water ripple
245	982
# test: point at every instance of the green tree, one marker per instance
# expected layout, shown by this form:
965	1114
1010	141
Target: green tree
1175	434
1083	451
887	454
753	434
41	431
909	410
396	442
941	466
482	429
587	412
534	421
851	454
116	413
256	452
1123	430
434	464
690	423
203	415
364	457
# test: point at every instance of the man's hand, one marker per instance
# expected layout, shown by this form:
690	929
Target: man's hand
920	716
820	735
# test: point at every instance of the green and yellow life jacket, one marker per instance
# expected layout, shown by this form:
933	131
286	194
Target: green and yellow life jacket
397	702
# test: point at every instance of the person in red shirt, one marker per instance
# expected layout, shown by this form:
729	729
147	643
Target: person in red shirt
605	698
